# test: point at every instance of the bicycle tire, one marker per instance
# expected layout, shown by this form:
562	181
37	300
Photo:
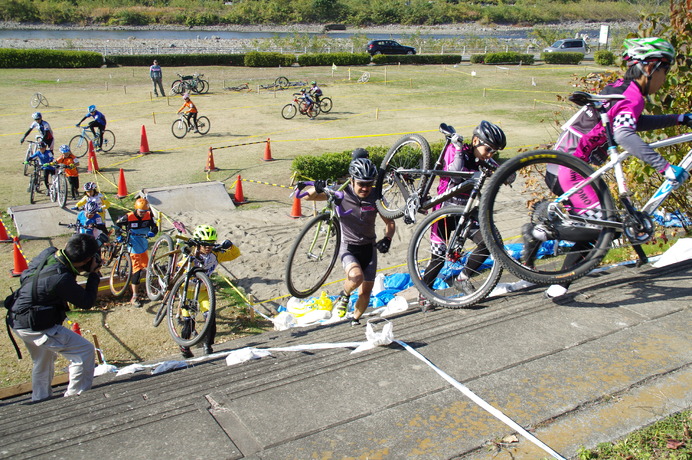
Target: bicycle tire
107	140
315	109
326	104
179	128
79	145
411	151
504	212
32	189
121	273
313	255
179	301
203	125
205	86
61	192
457	250
159	268
38	99
53	190
29	152
289	111
177	87
106	250
282	82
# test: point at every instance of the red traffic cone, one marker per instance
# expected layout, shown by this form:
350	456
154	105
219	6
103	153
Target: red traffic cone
268	152
239	198
76	329
210	161
19	260
144	143
122	186
4	237
93	164
296	209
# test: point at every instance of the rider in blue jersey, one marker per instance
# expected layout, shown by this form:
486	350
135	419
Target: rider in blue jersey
45	158
98	122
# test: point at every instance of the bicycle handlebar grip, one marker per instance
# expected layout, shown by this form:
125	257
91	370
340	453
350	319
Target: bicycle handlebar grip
338	195
298	191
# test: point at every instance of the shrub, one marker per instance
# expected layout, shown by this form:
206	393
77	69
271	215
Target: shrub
604	57
562	58
258	59
417	59
35	58
508	57
176	60
327	59
331	166
478	59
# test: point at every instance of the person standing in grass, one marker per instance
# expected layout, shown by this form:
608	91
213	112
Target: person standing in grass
157	78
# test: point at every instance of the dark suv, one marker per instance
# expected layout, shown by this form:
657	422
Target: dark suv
388	47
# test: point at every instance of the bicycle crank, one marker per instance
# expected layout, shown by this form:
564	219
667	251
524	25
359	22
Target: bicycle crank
638	227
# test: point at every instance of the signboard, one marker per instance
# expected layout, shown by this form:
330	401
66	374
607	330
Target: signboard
603	38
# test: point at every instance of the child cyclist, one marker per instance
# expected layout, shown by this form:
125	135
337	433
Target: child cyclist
487	139
92	195
70	162
211	257
190	111
43	128
45	158
140	223
91	223
98	123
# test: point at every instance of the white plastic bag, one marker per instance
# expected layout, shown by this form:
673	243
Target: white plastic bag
283	321
396	305
376	338
245	354
379	284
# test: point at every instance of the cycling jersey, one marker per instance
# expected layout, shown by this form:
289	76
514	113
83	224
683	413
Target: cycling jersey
191	108
456	159
316	91
138	228
210	261
70	162
44	128
98	118
358	227
45	158
91	226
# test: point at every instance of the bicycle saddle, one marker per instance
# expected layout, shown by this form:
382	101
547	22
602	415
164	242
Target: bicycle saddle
446	129
582	98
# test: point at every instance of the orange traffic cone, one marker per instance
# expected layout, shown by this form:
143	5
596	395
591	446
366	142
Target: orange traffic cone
268	152
296	209
19	260
144	143
122	186
93	164
239	198
4	237
210	161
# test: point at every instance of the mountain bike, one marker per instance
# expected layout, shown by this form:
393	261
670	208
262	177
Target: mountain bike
581	232
111	248
30	151
121	272
299	106
190	84
188	300
79	145
38	99
34	179
58	185
324	103
183	125
315	249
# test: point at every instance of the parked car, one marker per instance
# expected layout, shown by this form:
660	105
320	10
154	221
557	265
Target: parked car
388	47
571	45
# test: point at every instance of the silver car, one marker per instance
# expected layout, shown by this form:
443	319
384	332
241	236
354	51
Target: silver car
571	45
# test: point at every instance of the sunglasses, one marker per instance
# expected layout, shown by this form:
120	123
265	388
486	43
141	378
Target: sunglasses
490	149
364	184
665	66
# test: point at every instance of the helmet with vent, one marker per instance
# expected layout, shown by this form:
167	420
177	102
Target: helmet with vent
205	233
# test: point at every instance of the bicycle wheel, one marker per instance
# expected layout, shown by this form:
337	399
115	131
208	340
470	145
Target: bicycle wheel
61	189
313	255
53	189
204	86
179	128
409	152
439	251
29	152
107	140
106	251
282	82
160	267
203	125
325	104
32	189
79	146
38	99
289	111
555	249
314	111
191	308
121	274
177	87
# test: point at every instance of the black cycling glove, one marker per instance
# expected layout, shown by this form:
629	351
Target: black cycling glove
320	185
383	244
687	120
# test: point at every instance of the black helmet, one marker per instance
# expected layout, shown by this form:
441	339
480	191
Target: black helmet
491	135
359	153
362	169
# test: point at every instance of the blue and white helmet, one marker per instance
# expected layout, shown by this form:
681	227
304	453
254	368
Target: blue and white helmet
64	148
91	207
36	116
92	108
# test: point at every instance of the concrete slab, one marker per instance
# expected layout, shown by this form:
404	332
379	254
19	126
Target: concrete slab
41	220
173	200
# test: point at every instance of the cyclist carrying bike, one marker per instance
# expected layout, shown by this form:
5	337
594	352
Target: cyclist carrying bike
90	222
98	123
92	194
45	158
43	127
70	162
648	61
190	111
209	258
487	139
140	224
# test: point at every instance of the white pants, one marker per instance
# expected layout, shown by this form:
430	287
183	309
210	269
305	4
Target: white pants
44	347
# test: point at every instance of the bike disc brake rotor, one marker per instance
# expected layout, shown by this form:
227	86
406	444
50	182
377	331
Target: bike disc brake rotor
639	228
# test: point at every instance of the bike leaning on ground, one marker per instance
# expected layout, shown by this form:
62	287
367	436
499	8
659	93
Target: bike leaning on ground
79	144
585	233
182	126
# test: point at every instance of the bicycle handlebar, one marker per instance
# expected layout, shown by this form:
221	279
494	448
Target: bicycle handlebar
332	195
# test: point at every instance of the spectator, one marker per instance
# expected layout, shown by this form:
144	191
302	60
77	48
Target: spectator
157	78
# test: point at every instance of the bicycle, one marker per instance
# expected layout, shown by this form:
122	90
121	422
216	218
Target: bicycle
183	125
299	106
186	292
58	185
315	249
121	272
110	248
243	87
34	179
79	144
324	103
30	151
568	229
190	83
364	78
37	100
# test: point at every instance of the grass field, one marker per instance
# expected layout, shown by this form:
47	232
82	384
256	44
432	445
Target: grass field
397	100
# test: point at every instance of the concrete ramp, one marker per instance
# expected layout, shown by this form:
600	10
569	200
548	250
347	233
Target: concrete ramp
176	199
41	220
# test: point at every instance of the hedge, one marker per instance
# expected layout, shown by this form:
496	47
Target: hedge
417	59
39	58
562	58
176	60
332	166
508	57
604	57
258	59
327	59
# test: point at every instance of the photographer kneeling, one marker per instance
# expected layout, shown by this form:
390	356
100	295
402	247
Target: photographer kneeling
40	309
